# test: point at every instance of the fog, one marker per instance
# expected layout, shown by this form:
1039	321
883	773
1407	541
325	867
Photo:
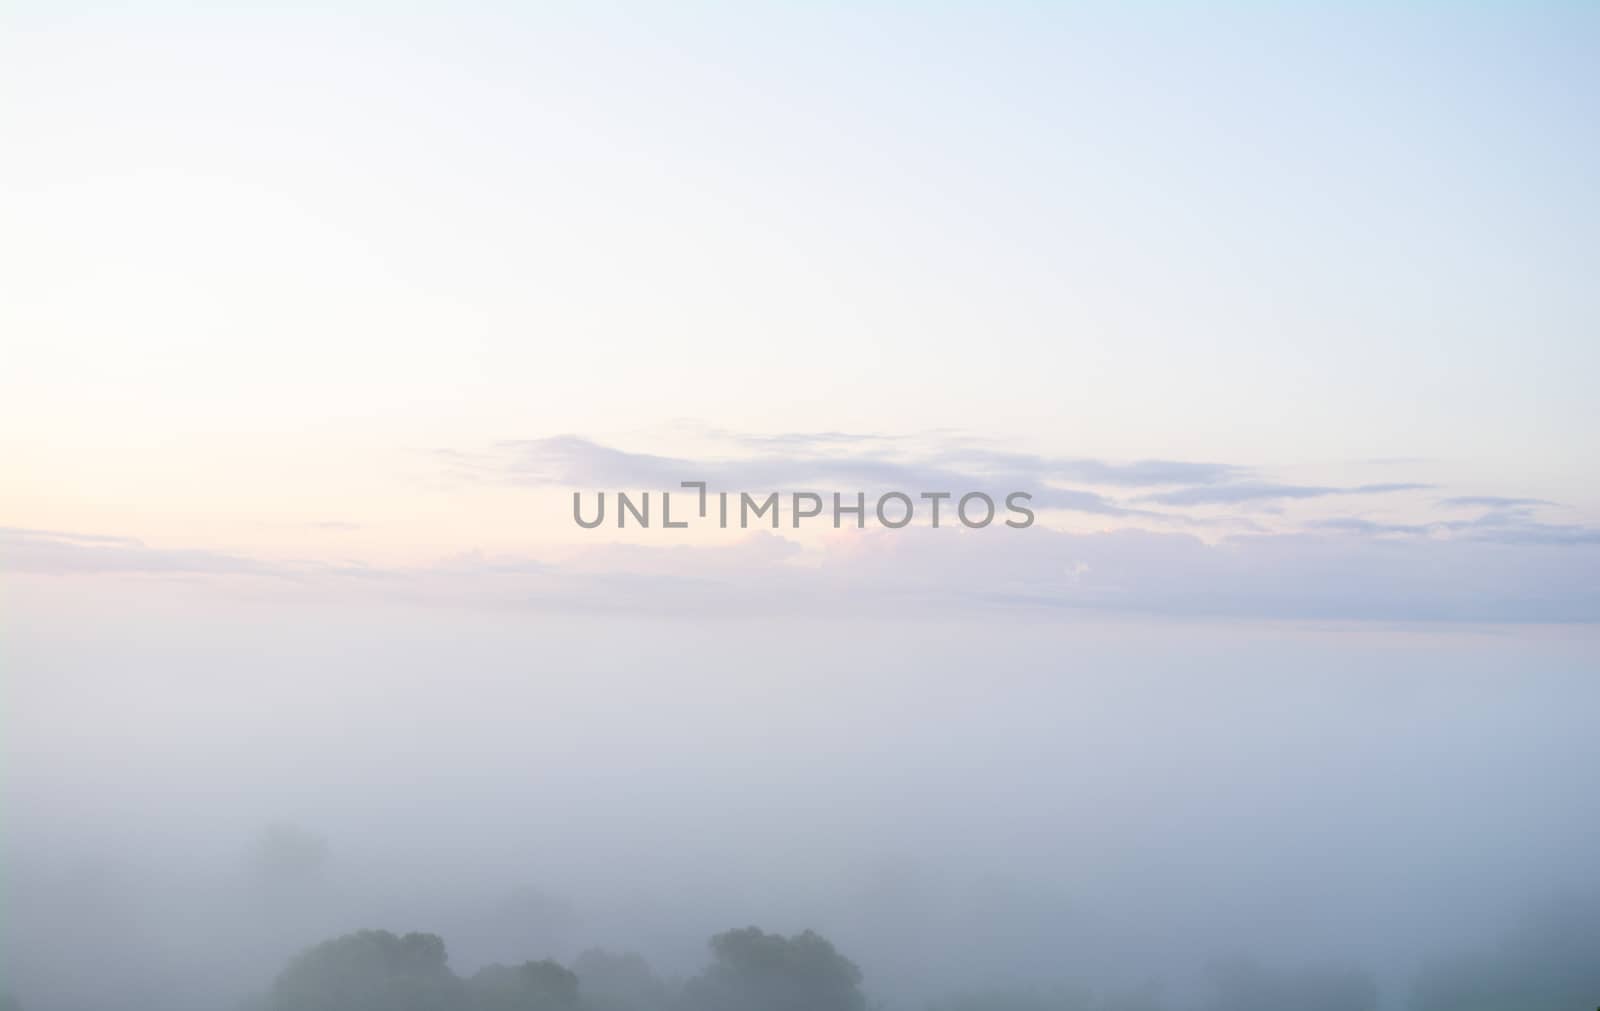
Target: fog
316	695
200	784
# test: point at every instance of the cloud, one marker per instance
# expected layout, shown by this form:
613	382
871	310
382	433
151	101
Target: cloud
573	461
48	551
1357	525
1138	474
809	441
1515	526
1503	526
947	462
951	448
1384	488
20	534
1492	501
1345	571
1261	491
1147	473
1499	565
1323	576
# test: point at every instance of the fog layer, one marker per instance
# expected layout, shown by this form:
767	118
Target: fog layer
198	786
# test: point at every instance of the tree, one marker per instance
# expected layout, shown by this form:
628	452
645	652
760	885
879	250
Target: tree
371	970
612	982
532	986
1550	962
755	971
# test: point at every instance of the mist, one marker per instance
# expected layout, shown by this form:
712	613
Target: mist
318	694
200	785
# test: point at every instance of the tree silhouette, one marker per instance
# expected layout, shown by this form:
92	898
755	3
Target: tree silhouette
755	971
1551	962
612	982
371	970
532	986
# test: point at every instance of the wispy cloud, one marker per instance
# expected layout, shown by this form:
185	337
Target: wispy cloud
1492	501
1357	525
1347	570
1118	490
23	550
572	461
1513	525
1263	491
1502	564
1516	526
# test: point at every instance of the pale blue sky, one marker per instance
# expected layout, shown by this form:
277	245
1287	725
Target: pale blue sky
260	260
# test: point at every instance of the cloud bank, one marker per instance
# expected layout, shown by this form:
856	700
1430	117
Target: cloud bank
1503	563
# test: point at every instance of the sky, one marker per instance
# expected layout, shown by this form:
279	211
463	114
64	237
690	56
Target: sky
315	319
262	264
